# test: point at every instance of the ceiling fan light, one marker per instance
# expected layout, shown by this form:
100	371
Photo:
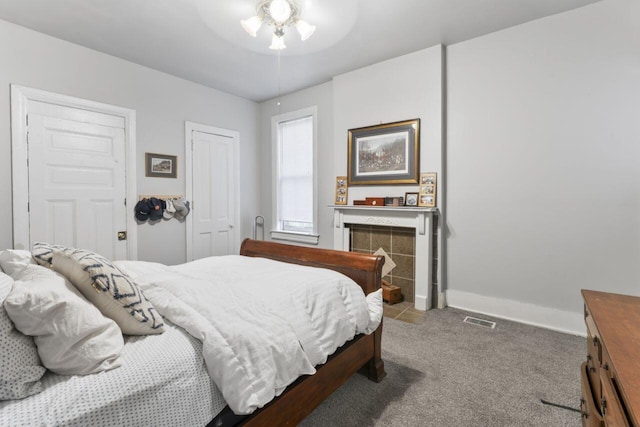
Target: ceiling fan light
251	25
280	10
305	29
280	15
277	43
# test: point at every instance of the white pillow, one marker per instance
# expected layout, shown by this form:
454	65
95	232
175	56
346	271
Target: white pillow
20	367
13	261
72	336
111	290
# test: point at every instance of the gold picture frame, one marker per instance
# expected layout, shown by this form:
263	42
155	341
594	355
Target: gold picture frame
385	154
341	190
428	189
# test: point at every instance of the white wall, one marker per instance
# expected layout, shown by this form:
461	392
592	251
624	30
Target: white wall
543	165
542	155
402	88
162	103
320	96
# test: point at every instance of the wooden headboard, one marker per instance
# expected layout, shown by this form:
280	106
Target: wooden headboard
365	270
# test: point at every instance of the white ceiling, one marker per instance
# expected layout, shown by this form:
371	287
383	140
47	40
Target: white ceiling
202	40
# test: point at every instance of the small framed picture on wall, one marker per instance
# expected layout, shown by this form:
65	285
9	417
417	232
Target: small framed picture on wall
427	194
341	190
161	165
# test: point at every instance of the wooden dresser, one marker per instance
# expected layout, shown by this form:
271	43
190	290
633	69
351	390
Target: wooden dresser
611	375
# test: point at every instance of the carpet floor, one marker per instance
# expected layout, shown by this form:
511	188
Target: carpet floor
443	372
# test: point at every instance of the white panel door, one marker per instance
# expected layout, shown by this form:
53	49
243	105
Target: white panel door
77	179
213	194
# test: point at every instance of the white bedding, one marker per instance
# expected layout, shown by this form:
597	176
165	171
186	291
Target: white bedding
263	323
162	382
254	326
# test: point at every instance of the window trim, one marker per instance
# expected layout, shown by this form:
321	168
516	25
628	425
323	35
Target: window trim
293	236
276	233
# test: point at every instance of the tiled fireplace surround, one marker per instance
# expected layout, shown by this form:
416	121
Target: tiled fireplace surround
406	234
399	243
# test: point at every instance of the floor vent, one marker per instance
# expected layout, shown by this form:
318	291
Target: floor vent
480	322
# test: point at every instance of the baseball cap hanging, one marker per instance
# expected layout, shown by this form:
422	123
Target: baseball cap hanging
169	210
142	210
155	206
182	208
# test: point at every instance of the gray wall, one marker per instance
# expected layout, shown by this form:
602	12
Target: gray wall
162	103
543	161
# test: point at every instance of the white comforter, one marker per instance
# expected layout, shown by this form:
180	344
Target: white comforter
263	323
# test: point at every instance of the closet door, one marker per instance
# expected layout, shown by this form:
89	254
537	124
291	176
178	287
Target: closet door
77	179
214	172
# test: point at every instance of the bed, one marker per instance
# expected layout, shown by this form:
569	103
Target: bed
185	392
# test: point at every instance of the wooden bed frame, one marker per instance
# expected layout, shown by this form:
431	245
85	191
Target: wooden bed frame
363	352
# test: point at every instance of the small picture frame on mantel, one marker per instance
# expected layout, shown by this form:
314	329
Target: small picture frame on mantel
427	193
411	199
341	190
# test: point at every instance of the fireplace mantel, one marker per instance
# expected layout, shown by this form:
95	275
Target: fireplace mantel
420	219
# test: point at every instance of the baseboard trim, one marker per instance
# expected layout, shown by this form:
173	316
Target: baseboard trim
544	317
420	302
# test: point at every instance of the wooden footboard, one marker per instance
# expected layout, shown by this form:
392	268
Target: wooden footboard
364	351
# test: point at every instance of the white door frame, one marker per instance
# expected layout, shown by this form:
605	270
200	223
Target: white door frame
189	127
20	97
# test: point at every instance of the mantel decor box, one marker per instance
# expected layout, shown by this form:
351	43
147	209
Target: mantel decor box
374	201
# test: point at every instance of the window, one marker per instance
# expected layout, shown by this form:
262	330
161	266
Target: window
295	176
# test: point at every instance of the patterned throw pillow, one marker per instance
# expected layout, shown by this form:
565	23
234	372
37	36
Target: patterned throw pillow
43	252
20	367
109	289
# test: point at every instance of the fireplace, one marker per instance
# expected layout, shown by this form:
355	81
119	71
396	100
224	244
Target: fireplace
352	225
398	242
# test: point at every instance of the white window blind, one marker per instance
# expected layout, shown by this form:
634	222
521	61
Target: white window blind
295	175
